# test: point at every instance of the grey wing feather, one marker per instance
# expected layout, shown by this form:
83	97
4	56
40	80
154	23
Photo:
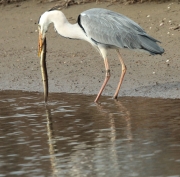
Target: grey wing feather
111	28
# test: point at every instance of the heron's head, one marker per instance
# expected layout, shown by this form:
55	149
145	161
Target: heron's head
43	24
52	16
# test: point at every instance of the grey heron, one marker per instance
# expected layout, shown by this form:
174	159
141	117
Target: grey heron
103	29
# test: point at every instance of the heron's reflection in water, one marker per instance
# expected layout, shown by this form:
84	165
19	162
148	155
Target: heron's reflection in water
102	151
125	114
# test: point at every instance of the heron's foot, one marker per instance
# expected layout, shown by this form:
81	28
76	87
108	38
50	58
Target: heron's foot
115	97
97	102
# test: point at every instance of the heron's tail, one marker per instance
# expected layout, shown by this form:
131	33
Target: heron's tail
150	44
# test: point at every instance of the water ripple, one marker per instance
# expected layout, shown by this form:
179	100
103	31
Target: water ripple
130	137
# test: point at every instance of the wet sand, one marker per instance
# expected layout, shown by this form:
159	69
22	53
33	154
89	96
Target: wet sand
75	67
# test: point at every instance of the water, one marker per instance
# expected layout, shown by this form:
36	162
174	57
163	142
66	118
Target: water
75	137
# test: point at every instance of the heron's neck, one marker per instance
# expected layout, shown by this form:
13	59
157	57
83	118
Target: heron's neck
65	29
72	31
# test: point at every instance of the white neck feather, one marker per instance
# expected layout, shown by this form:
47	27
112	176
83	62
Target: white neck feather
61	24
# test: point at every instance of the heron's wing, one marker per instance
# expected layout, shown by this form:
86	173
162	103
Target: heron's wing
110	28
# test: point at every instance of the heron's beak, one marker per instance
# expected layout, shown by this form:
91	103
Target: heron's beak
40	43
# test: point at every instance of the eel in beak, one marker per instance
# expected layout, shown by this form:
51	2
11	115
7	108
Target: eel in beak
42	53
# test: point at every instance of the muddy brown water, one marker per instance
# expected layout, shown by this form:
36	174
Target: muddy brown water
75	137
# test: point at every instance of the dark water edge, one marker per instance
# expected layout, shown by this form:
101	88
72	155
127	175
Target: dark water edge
75	137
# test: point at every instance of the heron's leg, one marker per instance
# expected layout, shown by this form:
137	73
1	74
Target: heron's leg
122	75
106	79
